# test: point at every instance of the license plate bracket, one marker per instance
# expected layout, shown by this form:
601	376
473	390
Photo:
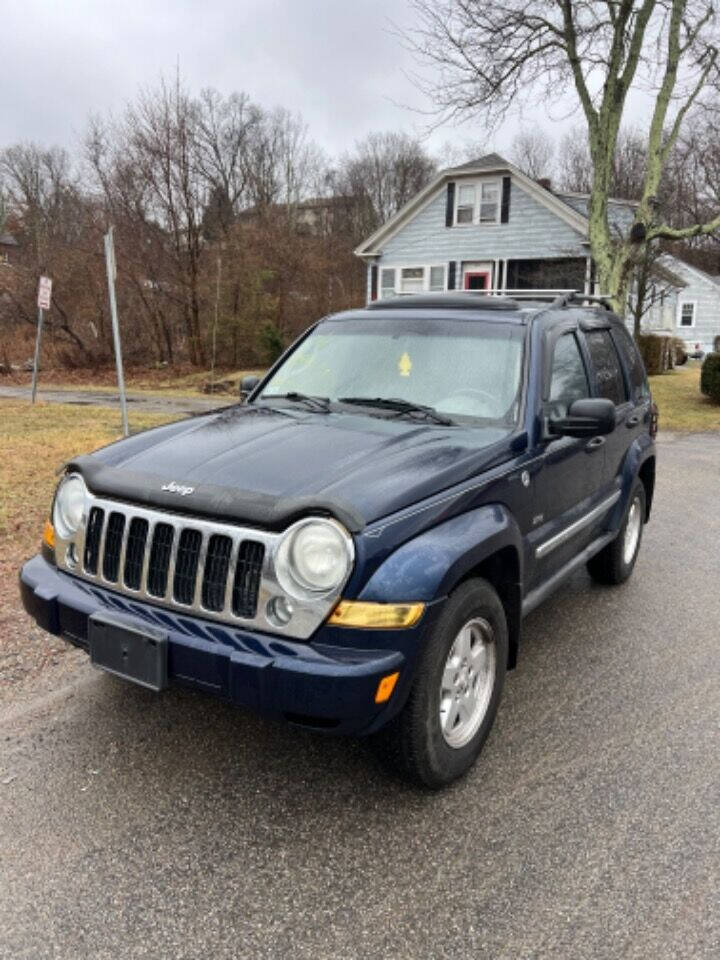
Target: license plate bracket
129	650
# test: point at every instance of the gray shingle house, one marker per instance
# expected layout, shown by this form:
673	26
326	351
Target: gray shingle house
485	225
689	307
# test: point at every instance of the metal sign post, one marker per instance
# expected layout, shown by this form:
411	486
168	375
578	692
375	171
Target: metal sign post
111	276
44	299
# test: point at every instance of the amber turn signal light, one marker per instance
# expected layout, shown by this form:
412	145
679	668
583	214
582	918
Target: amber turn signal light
386	687
49	535
376	616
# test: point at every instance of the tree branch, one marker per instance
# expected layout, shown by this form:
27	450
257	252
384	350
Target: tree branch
575	65
665	232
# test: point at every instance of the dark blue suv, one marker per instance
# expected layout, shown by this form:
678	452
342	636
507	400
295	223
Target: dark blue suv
354	548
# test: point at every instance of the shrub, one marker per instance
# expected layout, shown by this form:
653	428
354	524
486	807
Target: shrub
656	352
679	352
710	377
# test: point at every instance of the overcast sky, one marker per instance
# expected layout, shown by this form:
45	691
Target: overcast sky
337	62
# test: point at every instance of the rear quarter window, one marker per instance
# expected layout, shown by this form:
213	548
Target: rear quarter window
609	378
639	389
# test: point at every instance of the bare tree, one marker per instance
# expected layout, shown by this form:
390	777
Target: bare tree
40	186
382	174
533	152
491	57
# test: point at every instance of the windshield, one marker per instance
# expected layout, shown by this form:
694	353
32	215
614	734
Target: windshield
463	369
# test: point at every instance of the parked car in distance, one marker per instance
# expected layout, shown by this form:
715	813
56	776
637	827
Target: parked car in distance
355	547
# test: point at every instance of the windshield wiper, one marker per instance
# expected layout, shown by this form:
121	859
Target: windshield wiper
402	407
322	404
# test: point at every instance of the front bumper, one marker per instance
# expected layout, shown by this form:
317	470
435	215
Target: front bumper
328	683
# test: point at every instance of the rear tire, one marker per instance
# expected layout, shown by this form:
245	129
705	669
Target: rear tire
616	561
456	692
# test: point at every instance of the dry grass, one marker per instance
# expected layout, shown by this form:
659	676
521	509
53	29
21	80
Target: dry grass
682	406
34	442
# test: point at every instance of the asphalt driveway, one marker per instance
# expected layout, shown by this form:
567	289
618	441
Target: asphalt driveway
137	826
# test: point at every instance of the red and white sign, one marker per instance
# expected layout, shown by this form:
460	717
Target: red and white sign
44	293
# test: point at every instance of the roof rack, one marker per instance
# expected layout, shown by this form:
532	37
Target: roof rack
577	296
452	300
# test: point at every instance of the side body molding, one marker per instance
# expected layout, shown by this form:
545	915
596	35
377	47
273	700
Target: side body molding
428	567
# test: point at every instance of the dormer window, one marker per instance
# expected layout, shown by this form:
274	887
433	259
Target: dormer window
466	204
478	202
490	202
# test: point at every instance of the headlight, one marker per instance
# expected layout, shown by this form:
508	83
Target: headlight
314	558
69	506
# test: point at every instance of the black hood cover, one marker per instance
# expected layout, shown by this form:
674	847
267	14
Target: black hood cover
267	466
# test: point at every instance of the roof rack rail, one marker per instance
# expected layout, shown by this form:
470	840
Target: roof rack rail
577	296
450	300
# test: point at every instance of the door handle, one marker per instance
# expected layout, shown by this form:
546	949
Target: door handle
633	421
592	445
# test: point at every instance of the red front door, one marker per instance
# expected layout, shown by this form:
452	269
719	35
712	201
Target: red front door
479	280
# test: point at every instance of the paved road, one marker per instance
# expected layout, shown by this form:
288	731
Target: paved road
177	827
137	401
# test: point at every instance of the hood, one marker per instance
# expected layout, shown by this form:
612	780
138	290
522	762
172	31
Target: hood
268	466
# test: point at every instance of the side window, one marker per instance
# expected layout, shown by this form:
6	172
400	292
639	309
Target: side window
606	364
568	380
633	364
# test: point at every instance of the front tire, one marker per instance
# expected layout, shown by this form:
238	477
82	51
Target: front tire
616	561
455	696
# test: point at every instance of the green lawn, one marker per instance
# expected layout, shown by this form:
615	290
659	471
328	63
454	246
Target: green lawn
682	406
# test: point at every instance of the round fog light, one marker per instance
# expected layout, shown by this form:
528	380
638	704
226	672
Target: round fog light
279	611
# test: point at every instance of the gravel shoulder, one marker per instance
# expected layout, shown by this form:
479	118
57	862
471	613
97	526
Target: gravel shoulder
150	403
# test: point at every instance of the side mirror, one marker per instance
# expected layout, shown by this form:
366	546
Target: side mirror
585	418
248	384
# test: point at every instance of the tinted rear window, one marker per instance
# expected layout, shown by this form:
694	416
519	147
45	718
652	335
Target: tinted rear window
633	364
606	365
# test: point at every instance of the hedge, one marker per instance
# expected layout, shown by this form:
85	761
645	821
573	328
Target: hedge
710	377
658	353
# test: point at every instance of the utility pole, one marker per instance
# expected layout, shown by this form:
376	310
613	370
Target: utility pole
111	276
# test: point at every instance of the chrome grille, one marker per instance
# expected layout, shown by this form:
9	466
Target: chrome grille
113	546
215	570
159	561
247	578
135	552
175	561
91	553
217	563
186	564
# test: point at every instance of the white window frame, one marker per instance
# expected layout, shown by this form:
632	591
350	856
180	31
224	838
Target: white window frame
397	277
380	293
686	303
478	184
422	280
458	205
429	269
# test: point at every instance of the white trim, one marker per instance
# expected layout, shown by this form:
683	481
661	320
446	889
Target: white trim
397	277
371	246
678	314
